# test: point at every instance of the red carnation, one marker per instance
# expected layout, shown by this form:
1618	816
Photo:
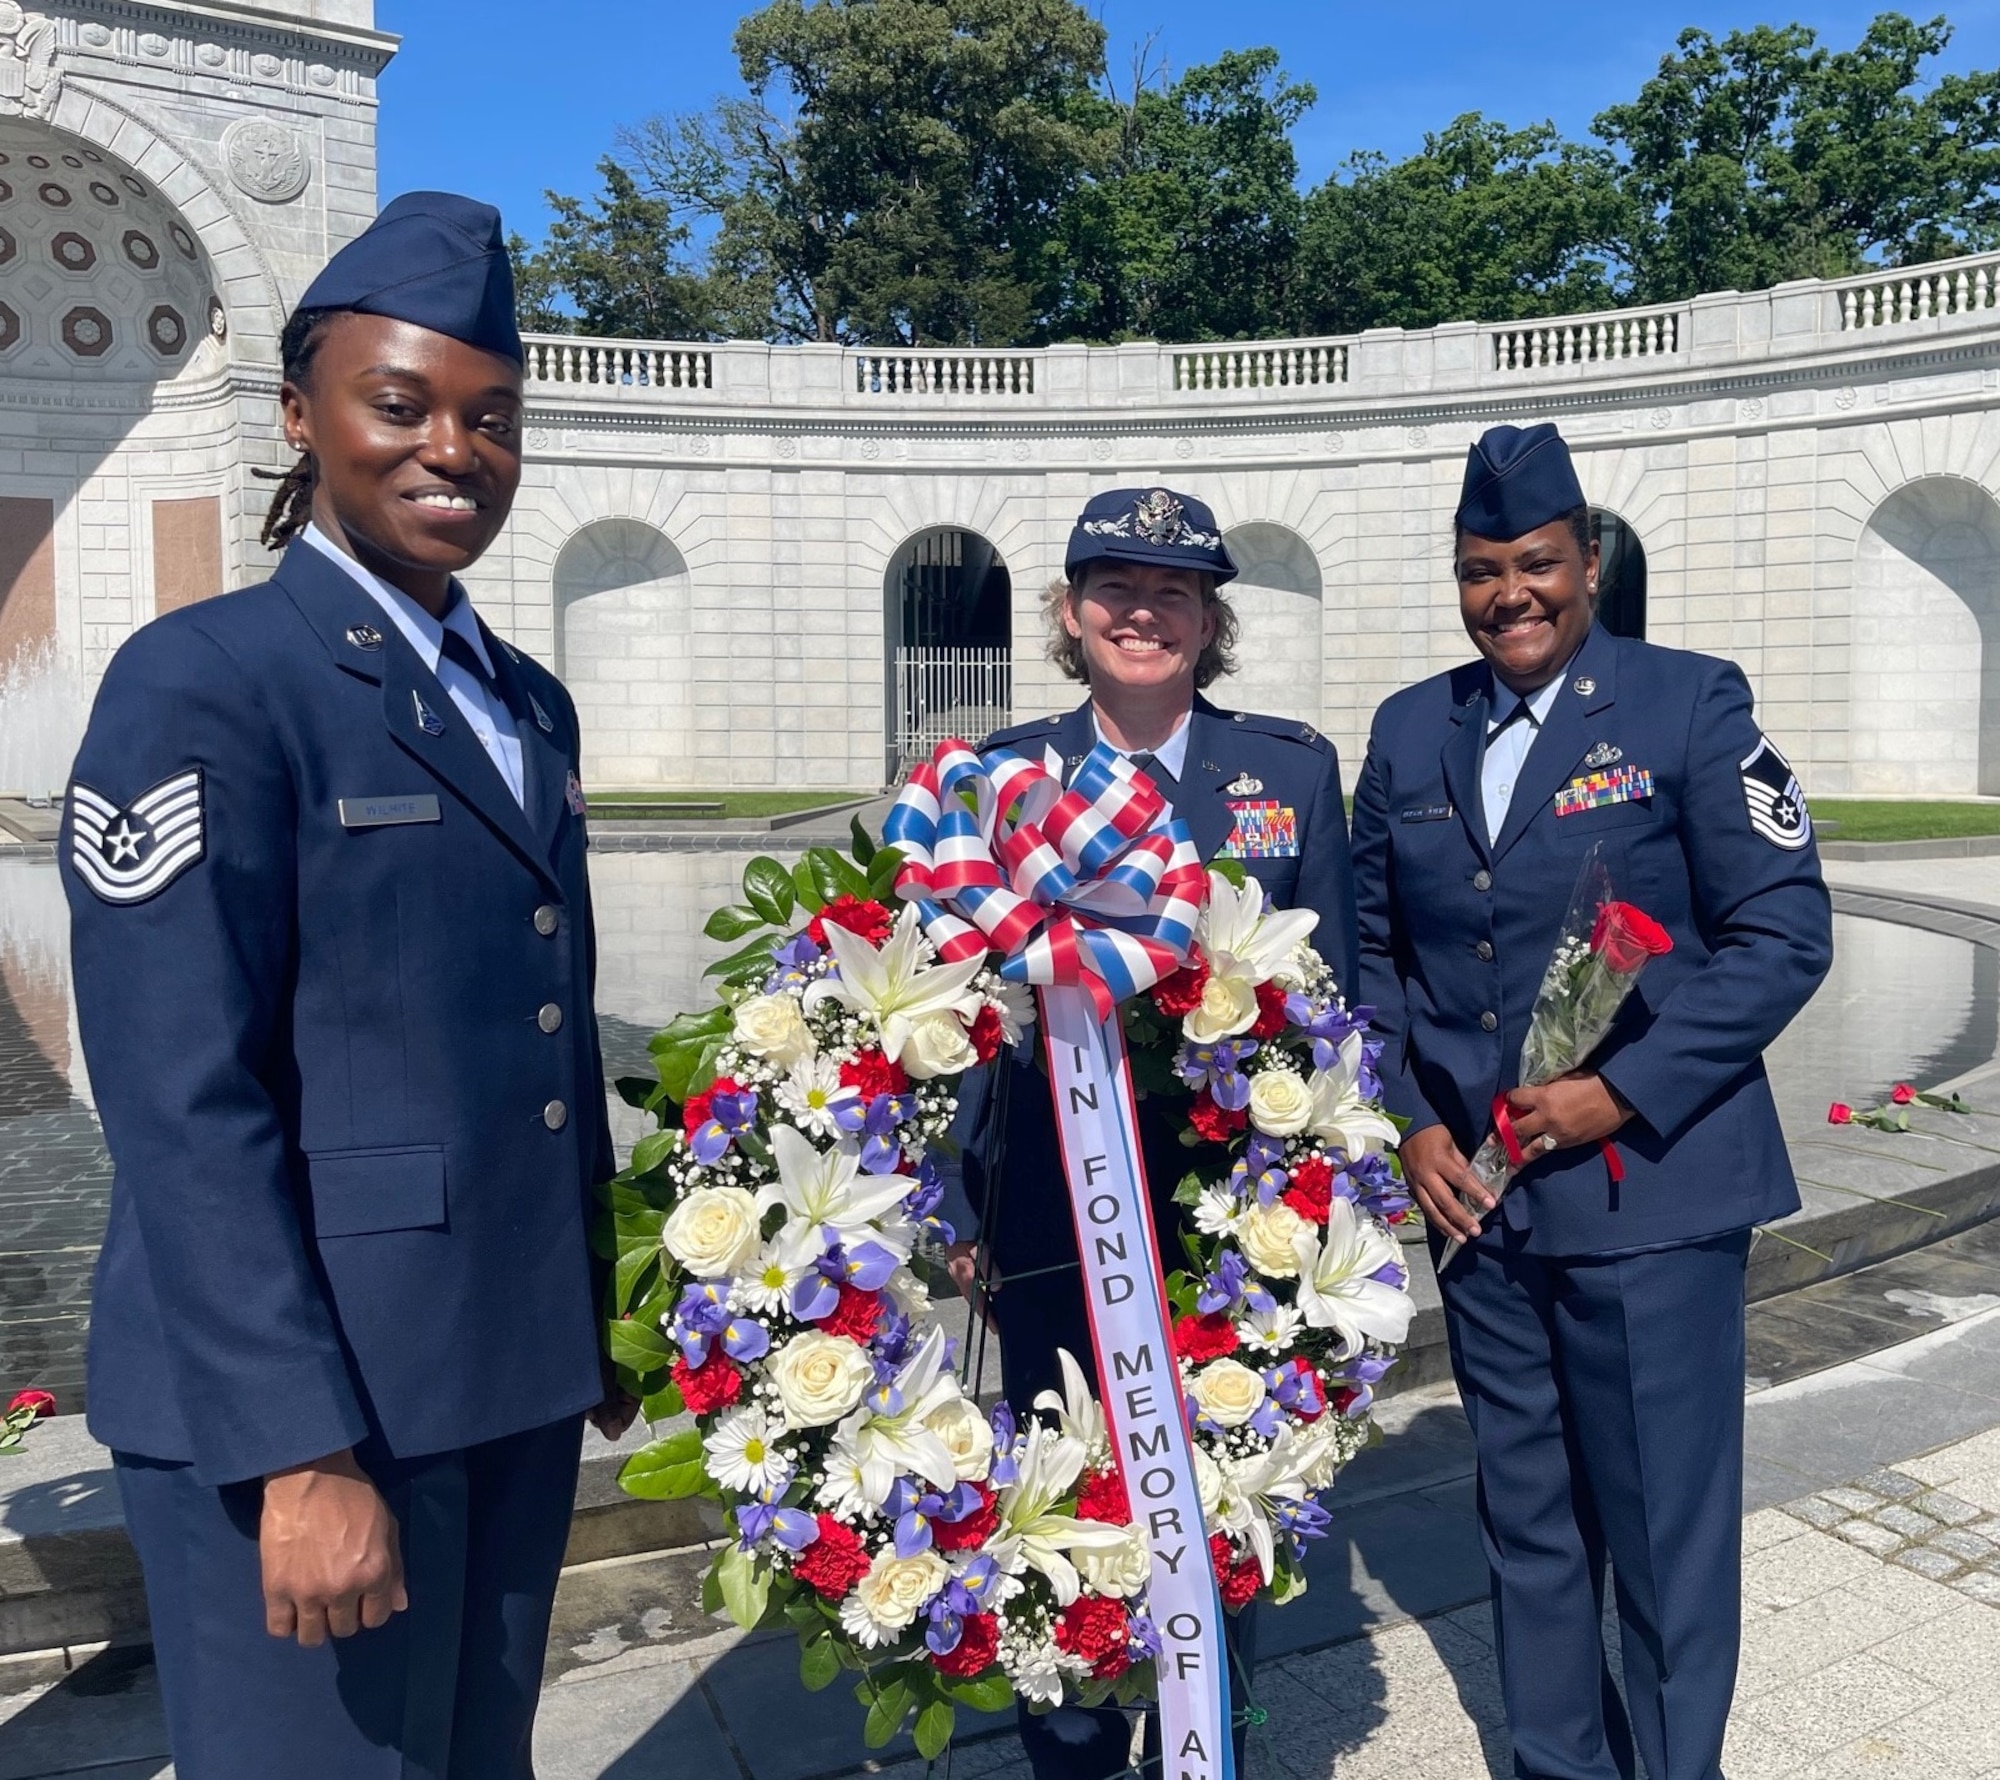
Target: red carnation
871	1073
986	1035
1343	1399
870	920
1102	1497
694	1113
857	1316
1217	1124
1627	937
1271	1015
1902	1094
715	1384
973	1531
1239	1582
1199	1338
39	1401
1310	1193
1096	1628
977	1649
834	1562
1179	995
1840	1113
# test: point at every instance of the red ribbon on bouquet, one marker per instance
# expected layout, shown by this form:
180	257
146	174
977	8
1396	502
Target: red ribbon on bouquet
1503	1124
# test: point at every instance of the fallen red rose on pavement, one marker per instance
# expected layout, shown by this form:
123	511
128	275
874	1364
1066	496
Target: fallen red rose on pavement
1840	1113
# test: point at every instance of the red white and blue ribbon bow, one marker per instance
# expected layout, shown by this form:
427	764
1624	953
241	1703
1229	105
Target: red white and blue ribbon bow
1083	886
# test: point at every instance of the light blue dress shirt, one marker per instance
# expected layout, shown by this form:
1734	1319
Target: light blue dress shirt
1508	740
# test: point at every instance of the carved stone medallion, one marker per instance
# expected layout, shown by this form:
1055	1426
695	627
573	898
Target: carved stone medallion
266	160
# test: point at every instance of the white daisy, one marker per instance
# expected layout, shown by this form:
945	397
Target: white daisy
765	1285
742	1456
1273	1329
1218	1212
812	1093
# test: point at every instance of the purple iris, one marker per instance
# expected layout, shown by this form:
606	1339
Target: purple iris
1360	1375
1266	1419
1006	1468
892	1339
1142	1636
921	1203
947	1612
866	1267
1368	1077
1303	1520
881	1148
1326	1023
795	960
701	1315
1230	1287
916	1507
1218	1068
1257	1169
1371	1182
1392	1273
1296	1391
729	1116
793	1528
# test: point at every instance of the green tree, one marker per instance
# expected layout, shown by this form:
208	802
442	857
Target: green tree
1765	156
1486	223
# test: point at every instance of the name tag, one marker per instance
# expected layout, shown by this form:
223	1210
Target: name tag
1428	812
1595	790
1263	831
388	812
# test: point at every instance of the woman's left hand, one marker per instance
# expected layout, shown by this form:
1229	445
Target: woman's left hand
1572	1109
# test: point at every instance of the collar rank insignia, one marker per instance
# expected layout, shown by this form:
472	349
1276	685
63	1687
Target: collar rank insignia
427	719
1776	804
365	636
131	853
1583	686
1603	755
573	795
1243	786
511	656
541	716
1621	784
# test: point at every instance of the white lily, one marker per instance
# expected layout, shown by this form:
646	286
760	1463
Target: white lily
1251	1484
825	1189
1239	939
895	987
887	1444
1339	1114
1337	1289
1077	1410
1032	1535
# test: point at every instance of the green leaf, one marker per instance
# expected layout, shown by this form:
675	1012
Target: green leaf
767	887
628	1273
834	876
633	1343
819	1664
807	886
711	1592
745	1582
888	1703
636	1090
662	1405
665	1471
753	959
990	1693
687	1028
730	922
882	872
1189	1191
934	1728
1232	869
864	842
651	1150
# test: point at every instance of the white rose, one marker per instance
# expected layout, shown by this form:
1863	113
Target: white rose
1266	1236
1280	1102
1228	1392
1228	1006
772	1026
937	1045
1122	1570
895	1587
820	1378
967	1436
713	1231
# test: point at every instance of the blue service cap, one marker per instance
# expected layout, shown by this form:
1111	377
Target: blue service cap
1149	525
1517	478
435	260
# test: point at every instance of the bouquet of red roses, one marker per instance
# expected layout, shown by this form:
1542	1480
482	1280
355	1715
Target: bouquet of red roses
1603	946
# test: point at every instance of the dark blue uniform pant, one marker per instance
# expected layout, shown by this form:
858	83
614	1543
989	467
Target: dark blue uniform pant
1605	1395
1036	1315
444	1691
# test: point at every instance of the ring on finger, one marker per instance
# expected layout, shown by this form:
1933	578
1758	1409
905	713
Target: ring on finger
1547	1141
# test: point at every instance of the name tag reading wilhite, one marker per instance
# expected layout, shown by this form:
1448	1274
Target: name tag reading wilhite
387	812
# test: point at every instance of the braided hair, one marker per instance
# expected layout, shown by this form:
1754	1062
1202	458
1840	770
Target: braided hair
291	501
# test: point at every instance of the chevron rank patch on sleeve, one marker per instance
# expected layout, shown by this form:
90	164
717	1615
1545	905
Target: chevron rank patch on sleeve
1776	802
130	853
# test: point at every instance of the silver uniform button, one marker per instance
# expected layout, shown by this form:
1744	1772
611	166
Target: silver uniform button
550	1018
1484	950
547	919
1489	1021
556	1115
1481	880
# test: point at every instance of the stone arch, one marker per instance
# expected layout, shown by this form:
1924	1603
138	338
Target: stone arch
622	633
948	611
1277	594
1925	685
1621	572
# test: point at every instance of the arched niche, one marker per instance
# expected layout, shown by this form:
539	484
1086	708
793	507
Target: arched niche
1621	574
622	648
948	606
1277	595
1924	702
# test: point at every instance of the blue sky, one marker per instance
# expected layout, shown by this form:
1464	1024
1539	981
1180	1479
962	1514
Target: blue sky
504	98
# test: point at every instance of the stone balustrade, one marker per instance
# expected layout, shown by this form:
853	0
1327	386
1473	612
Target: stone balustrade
1801	320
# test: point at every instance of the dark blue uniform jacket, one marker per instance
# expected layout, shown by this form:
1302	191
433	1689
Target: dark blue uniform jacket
1454	930
1227	750
329	1057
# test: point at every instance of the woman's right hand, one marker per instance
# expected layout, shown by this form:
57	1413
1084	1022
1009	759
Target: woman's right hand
1436	1174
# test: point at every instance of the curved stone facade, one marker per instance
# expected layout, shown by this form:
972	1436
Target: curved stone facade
775	565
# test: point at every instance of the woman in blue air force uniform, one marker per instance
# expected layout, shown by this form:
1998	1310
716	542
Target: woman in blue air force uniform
1596	1324
1139	620
333	964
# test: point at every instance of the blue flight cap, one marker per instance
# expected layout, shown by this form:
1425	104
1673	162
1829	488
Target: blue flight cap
435	260
1517	478
1149	525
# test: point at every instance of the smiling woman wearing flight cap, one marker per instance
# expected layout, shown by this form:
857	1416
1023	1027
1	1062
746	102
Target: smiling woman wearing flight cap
1596	1322
333	966
1139	620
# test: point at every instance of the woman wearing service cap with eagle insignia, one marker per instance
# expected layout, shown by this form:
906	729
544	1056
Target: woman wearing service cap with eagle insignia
1596	1320
1138	619
333	965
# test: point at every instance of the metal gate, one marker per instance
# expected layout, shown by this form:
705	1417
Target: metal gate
943	693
